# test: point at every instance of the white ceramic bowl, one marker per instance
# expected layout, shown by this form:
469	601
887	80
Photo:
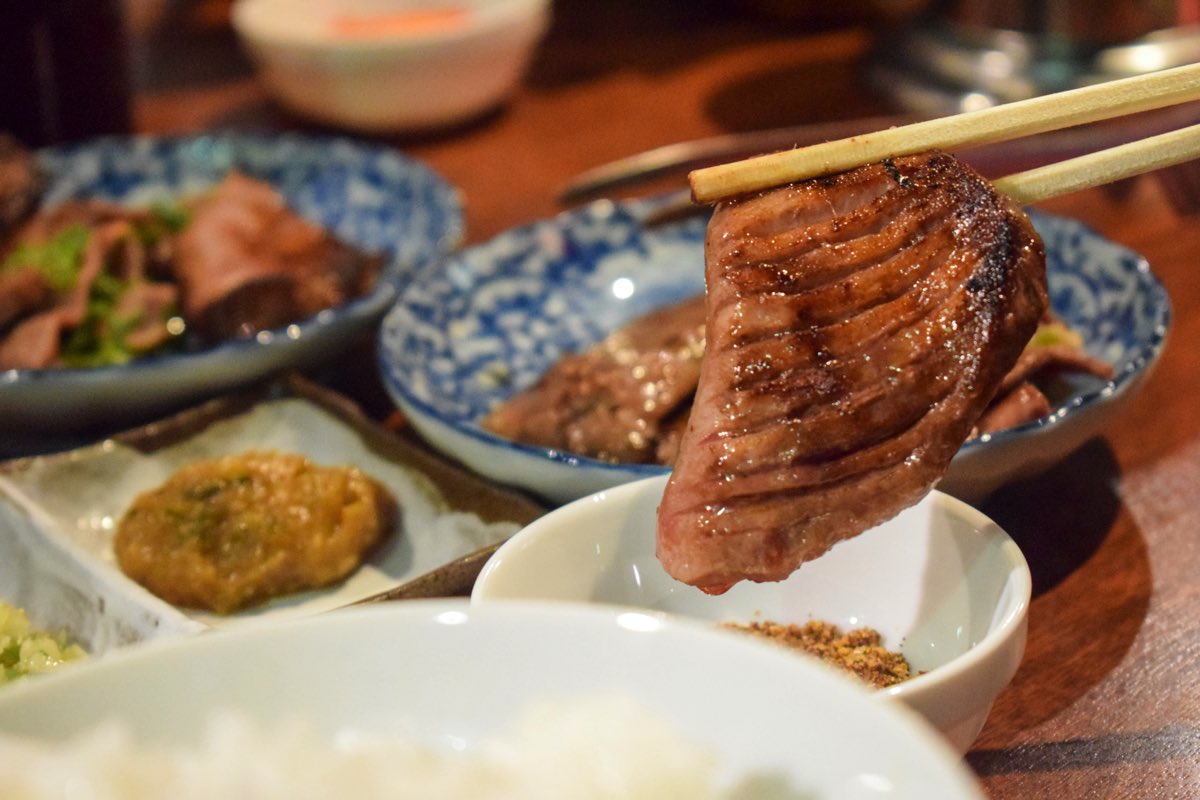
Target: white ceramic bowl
942	583
394	77
452	675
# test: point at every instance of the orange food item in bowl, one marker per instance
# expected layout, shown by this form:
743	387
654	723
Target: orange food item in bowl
400	23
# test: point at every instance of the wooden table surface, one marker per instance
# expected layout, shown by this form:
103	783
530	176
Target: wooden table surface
1107	700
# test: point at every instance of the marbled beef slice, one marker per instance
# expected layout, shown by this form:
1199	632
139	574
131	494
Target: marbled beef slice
857	325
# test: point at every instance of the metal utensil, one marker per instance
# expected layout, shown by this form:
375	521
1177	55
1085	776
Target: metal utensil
681	157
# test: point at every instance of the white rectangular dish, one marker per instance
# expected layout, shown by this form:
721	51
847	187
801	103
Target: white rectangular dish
58	515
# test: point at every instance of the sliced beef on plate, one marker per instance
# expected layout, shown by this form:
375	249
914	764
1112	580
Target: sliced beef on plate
1023	403
150	305
21	184
857	326
23	291
620	399
1022	395
1035	361
33	343
42	316
246	262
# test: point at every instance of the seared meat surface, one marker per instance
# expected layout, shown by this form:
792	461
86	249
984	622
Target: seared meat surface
246	262
49	288
88	282
857	326
92	283
20	184
622	400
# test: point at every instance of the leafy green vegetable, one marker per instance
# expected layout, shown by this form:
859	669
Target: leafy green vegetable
93	343
174	217
166	219
1049	334
59	259
101	339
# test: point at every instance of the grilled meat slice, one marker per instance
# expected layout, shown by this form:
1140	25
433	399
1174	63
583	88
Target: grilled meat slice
21	183
42	318
857	326
1023	403
620	399
246	263
23	290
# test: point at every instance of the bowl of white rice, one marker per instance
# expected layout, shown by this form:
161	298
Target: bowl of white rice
438	699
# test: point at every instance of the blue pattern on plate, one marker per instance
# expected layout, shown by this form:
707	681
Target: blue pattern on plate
487	323
369	196
491	319
372	197
1108	294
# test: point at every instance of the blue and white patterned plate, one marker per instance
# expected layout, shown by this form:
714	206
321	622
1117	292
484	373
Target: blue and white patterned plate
371	197
488	322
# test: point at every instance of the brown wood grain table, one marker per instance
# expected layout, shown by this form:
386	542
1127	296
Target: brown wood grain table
1107	701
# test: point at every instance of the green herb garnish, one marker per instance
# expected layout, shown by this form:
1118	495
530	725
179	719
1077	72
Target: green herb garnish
59	259
1049	334
165	219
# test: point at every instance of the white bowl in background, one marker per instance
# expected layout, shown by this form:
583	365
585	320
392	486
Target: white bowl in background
391	78
942	583
453	676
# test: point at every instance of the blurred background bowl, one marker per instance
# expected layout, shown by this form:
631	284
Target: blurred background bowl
941	582
384	66
371	197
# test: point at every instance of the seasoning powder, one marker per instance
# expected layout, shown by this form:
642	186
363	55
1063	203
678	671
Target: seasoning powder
859	651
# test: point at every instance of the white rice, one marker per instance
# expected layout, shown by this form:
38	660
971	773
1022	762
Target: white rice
601	747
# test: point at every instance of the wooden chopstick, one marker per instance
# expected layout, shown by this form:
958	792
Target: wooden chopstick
985	126
1104	166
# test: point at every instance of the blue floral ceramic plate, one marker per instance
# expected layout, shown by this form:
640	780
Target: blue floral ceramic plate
465	336
371	197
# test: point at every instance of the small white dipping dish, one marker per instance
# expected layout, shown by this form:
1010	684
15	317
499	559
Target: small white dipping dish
941	582
386	66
